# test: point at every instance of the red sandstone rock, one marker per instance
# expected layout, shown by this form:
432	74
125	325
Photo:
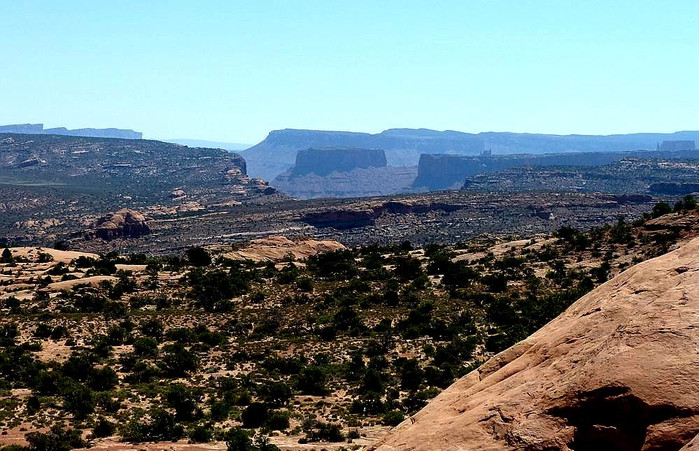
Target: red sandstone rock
122	224
619	370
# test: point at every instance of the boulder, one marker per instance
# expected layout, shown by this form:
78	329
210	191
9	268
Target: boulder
619	369
177	194
122	224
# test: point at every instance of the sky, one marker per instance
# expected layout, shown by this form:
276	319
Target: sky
234	70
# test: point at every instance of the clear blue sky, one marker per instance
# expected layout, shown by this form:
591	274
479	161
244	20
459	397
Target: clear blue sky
233	70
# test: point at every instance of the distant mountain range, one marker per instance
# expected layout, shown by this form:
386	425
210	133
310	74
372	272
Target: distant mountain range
38	129
403	147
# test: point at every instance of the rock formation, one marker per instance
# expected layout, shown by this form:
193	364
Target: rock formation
441	171
277	153
122	224
278	248
344	173
325	161
364	215
618	370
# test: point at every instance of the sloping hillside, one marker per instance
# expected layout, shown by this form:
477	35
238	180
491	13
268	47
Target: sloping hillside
619	369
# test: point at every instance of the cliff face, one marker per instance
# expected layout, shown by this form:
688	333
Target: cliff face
345	172
403	147
277	153
85	132
437	172
360	182
617	370
324	161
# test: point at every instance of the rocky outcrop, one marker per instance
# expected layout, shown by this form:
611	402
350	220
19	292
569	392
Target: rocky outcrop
122	224
325	161
86	132
619	369
341	218
177	194
278	248
353	217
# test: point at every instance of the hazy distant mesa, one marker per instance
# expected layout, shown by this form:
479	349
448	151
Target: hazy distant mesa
38	129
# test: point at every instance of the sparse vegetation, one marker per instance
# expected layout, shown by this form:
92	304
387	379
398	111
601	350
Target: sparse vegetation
317	350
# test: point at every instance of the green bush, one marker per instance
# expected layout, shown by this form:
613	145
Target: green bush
57	439
255	415
311	381
392	418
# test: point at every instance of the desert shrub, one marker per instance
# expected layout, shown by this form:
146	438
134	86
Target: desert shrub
347	318
372	382
284	365
458	274
660	209
103	379
410	374
161	426
183	335
77	399
255	415
177	361
337	265
220	410
90	302
392	418
311	381
103	428
183	399
200	433
198	256
237	440
278	421
145	347
325	432
57	439
58	269
152	328
288	274
407	268
142	372
621	232
7	256
686	204
496	282
305	284
275	394
211	290
368	404
439	376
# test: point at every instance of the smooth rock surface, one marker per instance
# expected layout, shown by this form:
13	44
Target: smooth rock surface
619	370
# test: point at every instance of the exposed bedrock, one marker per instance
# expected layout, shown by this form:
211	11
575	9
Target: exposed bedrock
618	370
